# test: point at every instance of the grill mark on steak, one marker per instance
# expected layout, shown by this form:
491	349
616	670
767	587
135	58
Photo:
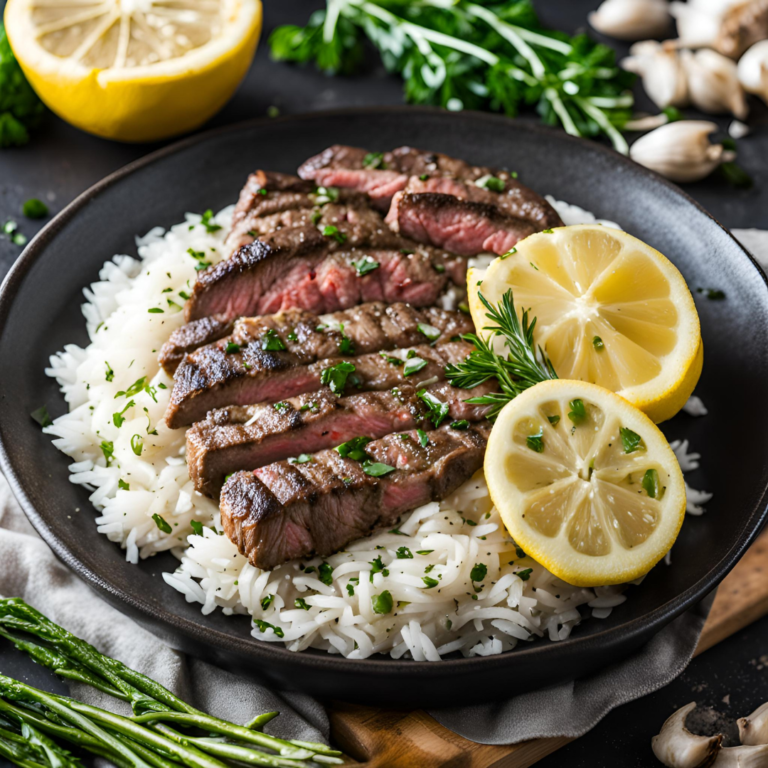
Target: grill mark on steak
191	336
211	379
460	226
247	437
297	266
285	511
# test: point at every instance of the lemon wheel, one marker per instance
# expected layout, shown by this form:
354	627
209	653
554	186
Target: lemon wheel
134	70
585	482
610	310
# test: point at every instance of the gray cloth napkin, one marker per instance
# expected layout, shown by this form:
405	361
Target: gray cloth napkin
30	570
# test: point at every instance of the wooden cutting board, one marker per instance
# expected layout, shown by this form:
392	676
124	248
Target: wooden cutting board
386	738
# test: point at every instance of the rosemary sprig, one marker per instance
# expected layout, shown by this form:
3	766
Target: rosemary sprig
525	363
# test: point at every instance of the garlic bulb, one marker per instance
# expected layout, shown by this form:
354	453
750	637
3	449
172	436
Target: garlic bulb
631	19
681	151
713	83
662	71
698	21
753	69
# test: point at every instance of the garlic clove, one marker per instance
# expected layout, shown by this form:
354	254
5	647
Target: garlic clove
680	151
696	26
631	19
742	757
662	71
743	24
751	67
676	747
753	729
713	83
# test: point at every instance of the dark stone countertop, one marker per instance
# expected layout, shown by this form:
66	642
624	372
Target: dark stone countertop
61	162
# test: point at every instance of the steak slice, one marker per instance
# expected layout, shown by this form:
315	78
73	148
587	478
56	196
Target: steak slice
191	336
246	437
210	378
461	226
415	170
285	511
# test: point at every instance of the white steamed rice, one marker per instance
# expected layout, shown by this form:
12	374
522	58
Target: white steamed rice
137	474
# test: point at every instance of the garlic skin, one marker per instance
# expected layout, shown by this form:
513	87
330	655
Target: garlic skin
676	747
713	83
631	19
681	151
742	757
698	21
663	73
753	729
753	70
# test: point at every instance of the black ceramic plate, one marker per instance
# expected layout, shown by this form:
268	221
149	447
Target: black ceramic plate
40	312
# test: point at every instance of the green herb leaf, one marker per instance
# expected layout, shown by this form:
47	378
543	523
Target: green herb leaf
34	209
414	365
346	345
396	361
374	160
41	416
429	582
553	420
493	183
335	377
376	468
197	527
652	485
436	410
137	444
432	333
325	573
118	418
332	231
282	407
263	626
631	440
526	574
302	458
300	602
110	374
423	438
713	294
108	449
155	311
267	601
231	348
403	553
536	442
736	176
424	551
382	603
271	342
479	572
461	424
208	223
162	524
365	265
578	412
597	343
398	532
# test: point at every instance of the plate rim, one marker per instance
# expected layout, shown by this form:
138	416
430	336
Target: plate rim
246	646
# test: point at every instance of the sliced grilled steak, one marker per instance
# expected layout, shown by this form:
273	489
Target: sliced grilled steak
414	170
210	378
460	226
246	437
286	511
191	336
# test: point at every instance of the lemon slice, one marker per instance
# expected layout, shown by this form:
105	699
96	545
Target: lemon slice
610	310
134	70
585	482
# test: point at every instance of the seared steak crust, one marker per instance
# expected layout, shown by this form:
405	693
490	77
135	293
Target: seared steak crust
247	437
191	336
286	511
461	226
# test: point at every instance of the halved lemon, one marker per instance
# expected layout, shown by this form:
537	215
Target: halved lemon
610	310
585	482
134	70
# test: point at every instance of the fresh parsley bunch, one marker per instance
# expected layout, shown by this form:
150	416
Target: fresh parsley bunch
20	109
471	55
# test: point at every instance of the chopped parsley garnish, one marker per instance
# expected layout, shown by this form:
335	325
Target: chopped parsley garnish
123	486
184	295
231	348
325	573
377	567
365	265
424	551
423	439
597	343
631	440
519	552
41	416
316	216
429	582
110	374
651	484
414	365
302	458
578	412
439	268
282	407
34	209
547	231
479	572
208	223
460	424
137	444
108	449
354	449
331	231
271	342
155	311
494	183
346	345
300	602
432	333
403	553
526	574
197	527
335	377
140	385
313	406
536	442
291	336
199	257
267	601
382	603
464	307
510	252
324	195
391	360
163	525
397	532
118	418
553	420
263	626
376	468
714	294
437	411
374	160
